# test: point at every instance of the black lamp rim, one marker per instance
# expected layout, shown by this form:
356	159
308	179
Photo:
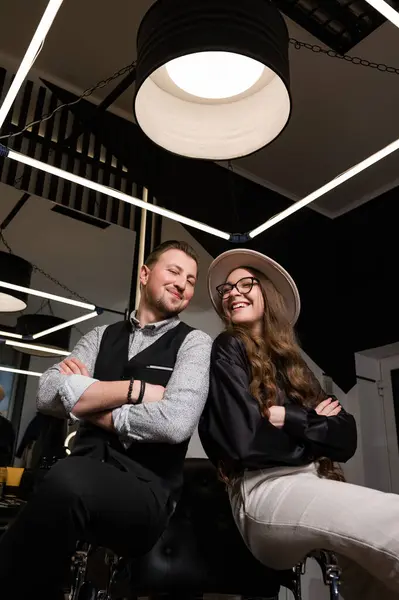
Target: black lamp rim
155	6
219	25
17	259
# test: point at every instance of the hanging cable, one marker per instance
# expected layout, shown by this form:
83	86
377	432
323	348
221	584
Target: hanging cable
88	92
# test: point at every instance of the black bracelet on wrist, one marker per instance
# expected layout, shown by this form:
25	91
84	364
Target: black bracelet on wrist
130	391
142	391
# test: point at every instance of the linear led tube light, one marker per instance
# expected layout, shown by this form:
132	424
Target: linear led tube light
34	347
17	336
362	166
66	324
386	10
20	371
30	56
26	290
98	187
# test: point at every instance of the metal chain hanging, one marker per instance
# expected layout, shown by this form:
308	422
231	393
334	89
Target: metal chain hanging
88	92
355	60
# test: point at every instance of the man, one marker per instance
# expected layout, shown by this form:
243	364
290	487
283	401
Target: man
138	389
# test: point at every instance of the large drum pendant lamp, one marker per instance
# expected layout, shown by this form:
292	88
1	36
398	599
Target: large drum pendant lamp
212	78
17	271
28	325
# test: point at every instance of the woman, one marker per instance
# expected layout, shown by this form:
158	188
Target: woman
274	434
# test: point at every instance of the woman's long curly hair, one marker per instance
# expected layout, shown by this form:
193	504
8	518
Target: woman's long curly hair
277	364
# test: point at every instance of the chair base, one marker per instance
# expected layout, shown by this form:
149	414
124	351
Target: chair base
330	569
79	570
82	589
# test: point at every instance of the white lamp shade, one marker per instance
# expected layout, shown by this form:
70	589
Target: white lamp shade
179	110
219	131
17	271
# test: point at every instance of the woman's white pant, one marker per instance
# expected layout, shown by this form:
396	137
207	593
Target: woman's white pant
285	513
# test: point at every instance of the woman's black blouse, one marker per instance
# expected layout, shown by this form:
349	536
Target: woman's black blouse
234	432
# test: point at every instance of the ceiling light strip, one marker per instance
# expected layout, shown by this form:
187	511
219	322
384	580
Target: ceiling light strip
17	336
26	290
48	349
66	324
102	189
386	10
30	56
355	170
20	371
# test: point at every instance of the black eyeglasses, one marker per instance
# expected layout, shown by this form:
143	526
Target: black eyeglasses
243	286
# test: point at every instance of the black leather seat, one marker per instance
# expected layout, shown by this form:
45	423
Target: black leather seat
201	552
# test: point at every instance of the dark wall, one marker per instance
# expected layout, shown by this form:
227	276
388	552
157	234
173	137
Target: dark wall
368	270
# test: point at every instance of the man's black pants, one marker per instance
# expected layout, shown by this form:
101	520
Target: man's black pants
84	499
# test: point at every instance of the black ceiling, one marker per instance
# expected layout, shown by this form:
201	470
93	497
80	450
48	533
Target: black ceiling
345	268
340	24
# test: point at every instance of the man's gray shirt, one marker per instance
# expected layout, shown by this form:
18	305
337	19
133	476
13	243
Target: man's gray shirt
173	419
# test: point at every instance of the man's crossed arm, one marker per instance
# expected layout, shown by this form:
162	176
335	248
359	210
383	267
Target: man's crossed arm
100	397
166	414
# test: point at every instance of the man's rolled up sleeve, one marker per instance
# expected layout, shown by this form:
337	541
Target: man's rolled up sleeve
174	418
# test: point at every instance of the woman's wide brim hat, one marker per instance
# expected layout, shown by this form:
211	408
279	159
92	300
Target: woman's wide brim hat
227	262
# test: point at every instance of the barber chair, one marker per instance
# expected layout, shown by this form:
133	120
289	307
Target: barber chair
200	552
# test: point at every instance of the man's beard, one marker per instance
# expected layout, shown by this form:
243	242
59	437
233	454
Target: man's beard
160	306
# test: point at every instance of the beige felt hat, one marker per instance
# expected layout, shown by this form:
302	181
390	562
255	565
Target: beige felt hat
224	264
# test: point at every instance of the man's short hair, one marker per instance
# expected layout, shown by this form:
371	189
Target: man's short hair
170	245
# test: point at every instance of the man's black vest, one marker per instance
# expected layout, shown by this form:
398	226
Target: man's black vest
154	365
